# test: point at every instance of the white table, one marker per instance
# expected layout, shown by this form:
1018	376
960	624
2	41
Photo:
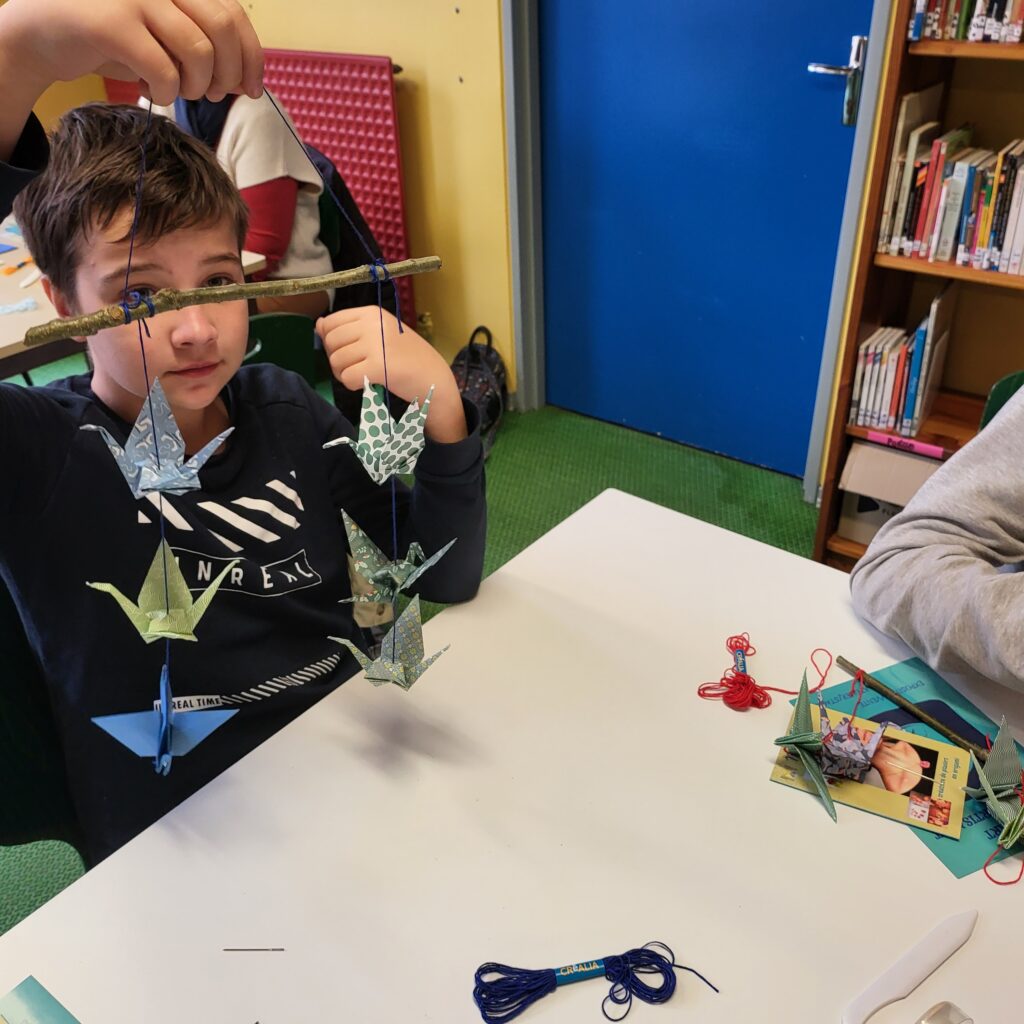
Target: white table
15	357
552	790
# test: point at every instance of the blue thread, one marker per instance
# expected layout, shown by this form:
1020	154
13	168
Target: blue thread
511	990
162	761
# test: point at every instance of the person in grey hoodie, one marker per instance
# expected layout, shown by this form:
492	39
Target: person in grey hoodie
940	575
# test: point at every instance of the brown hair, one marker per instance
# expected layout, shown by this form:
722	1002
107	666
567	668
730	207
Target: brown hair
93	175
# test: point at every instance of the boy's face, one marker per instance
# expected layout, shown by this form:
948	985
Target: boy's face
194	351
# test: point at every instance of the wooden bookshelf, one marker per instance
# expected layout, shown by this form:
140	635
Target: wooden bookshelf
951	271
984	85
845	553
974	51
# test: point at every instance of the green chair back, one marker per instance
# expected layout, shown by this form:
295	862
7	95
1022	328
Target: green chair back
1002	391
286	340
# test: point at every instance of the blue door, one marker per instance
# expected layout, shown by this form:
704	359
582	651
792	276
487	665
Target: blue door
694	175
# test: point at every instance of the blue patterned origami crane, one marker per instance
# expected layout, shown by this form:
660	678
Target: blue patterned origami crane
386	448
153	457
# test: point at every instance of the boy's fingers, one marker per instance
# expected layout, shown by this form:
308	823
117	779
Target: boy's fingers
218	22
343	336
186	44
252	55
352	376
148	61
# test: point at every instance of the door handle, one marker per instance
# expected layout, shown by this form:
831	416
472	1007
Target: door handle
853	72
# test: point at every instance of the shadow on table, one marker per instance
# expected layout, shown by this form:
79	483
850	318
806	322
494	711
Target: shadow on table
396	735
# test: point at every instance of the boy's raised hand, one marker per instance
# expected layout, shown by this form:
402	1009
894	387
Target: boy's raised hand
191	48
351	340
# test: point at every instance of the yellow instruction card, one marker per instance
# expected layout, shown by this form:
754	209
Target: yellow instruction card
912	779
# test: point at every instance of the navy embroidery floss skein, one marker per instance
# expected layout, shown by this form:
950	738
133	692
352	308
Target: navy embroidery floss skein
502	993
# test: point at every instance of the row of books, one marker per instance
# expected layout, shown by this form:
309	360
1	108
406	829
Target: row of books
972	21
948	201
898	372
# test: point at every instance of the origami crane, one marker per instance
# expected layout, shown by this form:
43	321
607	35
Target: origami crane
401	654
386	577
1000	788
843	753
384	447
806	744
165	608
153	457
163	734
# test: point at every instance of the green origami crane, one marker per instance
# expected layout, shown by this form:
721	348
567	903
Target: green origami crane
386	577
384	447
805	742
165	608
1001	779
401	654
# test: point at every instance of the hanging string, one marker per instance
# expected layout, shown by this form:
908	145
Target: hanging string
739	690
380	276
502	993
132	300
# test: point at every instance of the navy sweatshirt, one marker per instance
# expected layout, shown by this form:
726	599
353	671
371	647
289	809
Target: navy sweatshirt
271	499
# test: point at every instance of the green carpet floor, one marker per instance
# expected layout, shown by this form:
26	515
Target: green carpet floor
545	465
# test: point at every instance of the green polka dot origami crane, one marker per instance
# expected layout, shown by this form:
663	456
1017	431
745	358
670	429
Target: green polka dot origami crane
401	658
386	448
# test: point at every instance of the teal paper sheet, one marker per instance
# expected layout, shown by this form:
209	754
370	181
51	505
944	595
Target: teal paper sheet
914	680
30	1003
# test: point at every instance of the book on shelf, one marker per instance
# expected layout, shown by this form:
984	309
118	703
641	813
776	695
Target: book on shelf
916	127
898	373
948	201
973	21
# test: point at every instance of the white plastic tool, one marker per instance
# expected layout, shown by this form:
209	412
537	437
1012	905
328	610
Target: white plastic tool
913	967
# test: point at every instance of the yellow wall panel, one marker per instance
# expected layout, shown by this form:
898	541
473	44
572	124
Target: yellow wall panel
62	96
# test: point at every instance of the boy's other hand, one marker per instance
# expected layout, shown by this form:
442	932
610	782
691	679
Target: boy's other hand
351	340
191	48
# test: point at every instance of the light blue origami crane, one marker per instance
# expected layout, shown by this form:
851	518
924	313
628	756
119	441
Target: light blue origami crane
386	577
153	457
162	733
386	448
401	654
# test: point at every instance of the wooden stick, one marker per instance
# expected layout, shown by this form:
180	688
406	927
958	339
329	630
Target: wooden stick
172	298
922	716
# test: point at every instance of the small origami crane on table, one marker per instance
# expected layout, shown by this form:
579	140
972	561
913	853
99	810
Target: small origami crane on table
401	654
165	609
807	745
153	457
163	734
844	755
1001	777
386	448
386	577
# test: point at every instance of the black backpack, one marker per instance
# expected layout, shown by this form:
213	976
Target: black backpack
480	373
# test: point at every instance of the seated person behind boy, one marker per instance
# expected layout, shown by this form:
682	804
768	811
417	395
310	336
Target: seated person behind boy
271	496
939	574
